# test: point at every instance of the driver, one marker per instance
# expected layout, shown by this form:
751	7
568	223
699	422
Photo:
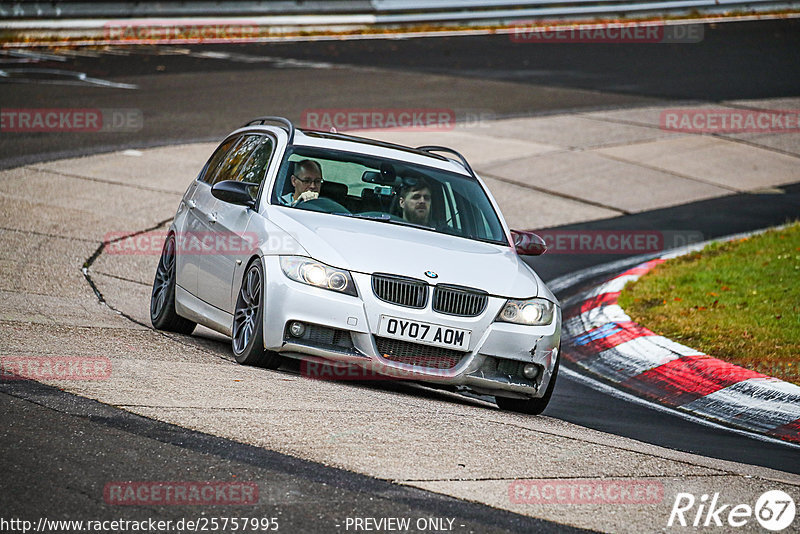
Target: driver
415	202
307	181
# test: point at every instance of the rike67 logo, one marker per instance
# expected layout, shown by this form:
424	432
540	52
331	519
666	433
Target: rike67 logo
774	510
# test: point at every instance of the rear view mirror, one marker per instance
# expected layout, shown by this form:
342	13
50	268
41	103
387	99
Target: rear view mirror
374	177
528	243
386	176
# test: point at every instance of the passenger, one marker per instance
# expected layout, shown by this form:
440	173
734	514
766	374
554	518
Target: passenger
415	202
307	181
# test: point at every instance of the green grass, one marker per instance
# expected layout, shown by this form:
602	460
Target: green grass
736	301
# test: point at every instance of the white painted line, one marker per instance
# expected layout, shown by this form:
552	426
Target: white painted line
33	55
658	347
597	317
628	397
60	77
758	403
635	357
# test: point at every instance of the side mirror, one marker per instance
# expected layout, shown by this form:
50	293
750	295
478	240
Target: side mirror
527	243
234	192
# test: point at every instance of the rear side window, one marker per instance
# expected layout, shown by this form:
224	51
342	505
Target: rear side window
216	159
235	158
255	168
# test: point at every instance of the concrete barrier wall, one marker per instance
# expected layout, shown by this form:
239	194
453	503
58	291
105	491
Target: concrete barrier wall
384	11
111	9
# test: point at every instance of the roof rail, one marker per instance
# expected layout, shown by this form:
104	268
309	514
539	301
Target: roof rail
367	140
435	148
282	120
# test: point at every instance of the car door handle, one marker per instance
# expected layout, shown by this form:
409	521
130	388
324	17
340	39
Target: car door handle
212	218
192	204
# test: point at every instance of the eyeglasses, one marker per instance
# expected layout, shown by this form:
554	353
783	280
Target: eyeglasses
315	181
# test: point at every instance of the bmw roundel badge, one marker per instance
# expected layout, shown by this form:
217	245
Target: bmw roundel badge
431	274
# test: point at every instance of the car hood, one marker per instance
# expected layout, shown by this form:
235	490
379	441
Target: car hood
372	246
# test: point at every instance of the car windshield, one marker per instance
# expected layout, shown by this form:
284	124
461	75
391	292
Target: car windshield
386	191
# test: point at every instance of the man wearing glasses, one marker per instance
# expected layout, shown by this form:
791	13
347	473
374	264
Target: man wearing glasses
307	181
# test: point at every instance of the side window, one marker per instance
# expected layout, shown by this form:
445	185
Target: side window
216	159
452	217
283	185
482	229
235	158
255	168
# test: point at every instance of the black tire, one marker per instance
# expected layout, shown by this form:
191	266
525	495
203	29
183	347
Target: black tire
162	298
247	333
531	406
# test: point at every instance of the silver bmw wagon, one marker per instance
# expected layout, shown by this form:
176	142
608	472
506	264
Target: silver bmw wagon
346	252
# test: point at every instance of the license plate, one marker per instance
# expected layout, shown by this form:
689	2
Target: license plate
427	333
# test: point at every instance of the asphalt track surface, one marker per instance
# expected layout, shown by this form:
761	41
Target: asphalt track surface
95	439
201	95
184	97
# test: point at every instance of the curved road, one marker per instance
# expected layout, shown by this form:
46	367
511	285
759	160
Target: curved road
200	93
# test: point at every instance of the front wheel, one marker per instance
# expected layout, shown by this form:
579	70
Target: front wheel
162	299
531	406
247	337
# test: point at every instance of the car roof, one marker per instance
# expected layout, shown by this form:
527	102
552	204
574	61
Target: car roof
374	147
426	155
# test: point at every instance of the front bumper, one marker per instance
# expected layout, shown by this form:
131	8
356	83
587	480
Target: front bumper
343	328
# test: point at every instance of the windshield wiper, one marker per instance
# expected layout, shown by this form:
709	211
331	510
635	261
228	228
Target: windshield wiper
382	217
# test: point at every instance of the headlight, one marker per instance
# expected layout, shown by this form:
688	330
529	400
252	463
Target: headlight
314	273
534	312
